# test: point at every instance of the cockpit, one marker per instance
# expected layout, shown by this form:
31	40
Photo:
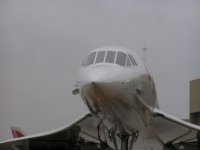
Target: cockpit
113	57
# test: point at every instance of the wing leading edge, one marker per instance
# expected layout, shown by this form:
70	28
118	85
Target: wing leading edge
84	129
171	129
164	115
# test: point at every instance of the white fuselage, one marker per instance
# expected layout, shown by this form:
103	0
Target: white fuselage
121	96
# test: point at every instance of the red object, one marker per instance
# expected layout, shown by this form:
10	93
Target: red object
17	133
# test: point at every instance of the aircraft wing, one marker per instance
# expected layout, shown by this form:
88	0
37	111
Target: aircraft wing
84	129
174	130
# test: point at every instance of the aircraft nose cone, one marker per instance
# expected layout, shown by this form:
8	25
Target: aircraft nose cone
97	75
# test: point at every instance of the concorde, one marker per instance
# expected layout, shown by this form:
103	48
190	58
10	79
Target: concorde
120	94
117	87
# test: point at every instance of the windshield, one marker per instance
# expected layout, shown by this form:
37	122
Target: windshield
89	59
121	59
100	56
132	60
110	57
114	57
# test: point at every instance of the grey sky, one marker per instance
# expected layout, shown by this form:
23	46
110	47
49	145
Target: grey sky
42	44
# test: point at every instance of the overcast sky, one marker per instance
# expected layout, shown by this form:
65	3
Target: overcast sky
42	44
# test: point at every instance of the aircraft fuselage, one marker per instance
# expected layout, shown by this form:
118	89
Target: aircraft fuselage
120	93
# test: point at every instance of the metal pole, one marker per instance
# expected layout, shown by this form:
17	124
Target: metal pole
124	142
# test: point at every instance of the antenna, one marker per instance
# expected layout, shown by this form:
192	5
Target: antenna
145	53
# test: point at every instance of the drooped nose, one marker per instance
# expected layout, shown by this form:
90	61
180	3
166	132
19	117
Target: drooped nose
96	76
99	82
99	75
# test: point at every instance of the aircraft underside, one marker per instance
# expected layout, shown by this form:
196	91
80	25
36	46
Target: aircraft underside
76	144
49	145
125	120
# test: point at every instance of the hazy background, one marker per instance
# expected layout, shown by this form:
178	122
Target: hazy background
42	44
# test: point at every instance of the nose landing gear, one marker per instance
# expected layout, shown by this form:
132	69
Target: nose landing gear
127	140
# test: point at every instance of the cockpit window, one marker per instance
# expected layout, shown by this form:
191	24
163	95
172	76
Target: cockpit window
121	59
128	62
132	60
89	59
110	57
84	62
100	56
